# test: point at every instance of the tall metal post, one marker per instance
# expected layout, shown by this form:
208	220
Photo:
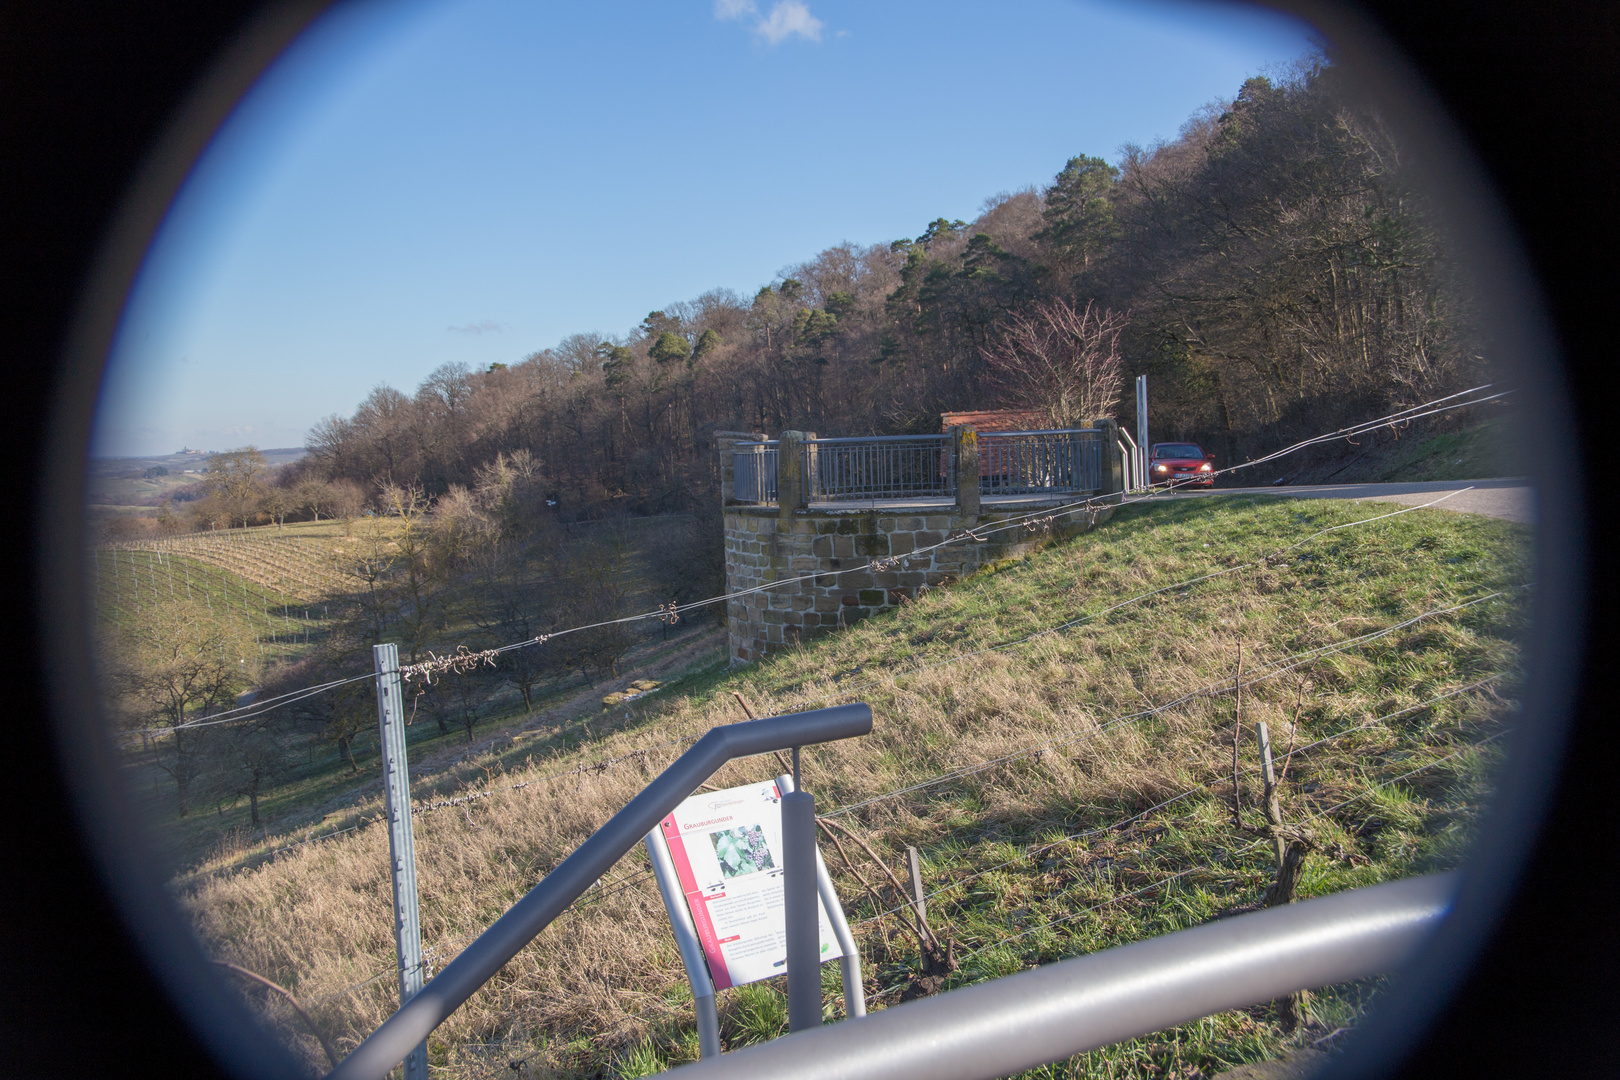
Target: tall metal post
401	846
1141	424
915	867
850	962
800	911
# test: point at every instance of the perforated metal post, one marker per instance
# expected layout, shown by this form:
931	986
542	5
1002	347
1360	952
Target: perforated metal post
401	845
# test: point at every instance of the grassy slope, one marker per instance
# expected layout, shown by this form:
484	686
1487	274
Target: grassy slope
1000	767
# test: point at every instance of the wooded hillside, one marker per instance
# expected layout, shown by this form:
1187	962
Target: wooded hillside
1275	269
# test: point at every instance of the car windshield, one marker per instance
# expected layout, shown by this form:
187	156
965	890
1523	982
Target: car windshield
1177	450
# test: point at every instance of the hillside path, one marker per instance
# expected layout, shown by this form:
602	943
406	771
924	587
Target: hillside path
1512	498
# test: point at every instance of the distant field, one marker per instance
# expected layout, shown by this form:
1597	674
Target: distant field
121	483
272	595
299	562
252	601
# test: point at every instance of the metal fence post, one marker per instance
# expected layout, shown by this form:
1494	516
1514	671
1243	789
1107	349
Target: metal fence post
800	914
917	899
401	846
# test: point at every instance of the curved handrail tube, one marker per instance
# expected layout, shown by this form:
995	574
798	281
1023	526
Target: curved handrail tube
461	978
1023	1021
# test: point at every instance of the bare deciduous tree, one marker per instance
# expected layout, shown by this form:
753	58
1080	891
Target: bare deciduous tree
1061	361
170	670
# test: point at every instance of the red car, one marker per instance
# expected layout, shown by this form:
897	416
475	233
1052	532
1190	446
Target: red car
1180	464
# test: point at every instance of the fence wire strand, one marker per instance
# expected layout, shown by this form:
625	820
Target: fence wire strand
1115	826
1238	852
1044	515
1213	689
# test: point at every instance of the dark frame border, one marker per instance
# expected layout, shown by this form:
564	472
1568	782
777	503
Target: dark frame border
105	107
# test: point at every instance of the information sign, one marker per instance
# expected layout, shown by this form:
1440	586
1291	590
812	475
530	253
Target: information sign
727	851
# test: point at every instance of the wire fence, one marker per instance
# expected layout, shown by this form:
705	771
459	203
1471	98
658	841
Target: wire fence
604	891
1216	688
1228	857
1216	870
463	660
440	952
959	882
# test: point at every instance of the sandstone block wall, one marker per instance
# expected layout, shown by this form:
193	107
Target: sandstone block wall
857	562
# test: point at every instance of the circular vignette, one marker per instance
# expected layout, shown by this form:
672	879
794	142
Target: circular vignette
1516	324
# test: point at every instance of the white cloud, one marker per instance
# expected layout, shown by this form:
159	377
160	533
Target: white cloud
787	19
726	10
488	326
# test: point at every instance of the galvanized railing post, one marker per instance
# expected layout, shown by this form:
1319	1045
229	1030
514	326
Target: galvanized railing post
1141	424
687	944
401	844
800	908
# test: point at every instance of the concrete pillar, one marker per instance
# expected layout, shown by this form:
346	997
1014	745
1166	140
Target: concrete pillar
810	486
725	444
965	455
791	489
1113	470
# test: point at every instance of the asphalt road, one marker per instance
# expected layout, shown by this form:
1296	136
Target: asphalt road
1512	499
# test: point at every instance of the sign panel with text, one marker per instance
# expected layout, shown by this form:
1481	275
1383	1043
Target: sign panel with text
727	851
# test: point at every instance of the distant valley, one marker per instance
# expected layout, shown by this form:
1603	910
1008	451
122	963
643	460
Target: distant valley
139	485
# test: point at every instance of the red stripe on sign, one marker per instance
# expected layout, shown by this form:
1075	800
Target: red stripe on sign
696	905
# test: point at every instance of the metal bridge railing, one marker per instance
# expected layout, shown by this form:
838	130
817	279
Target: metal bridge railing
893	467
879	467
755	470
1034	462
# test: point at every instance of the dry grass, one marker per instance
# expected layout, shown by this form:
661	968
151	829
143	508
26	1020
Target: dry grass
1015	749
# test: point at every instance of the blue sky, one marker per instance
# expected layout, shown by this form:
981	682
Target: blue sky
417	182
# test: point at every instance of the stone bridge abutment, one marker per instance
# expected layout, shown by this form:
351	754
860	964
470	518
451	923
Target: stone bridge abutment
806	569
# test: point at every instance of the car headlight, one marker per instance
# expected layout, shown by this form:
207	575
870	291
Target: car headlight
1206	467
1161	468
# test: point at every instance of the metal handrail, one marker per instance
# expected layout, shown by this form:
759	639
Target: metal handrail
461	978
1135	464
755	472
880	467
1037	1017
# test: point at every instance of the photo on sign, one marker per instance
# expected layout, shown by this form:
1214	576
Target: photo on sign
742	850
